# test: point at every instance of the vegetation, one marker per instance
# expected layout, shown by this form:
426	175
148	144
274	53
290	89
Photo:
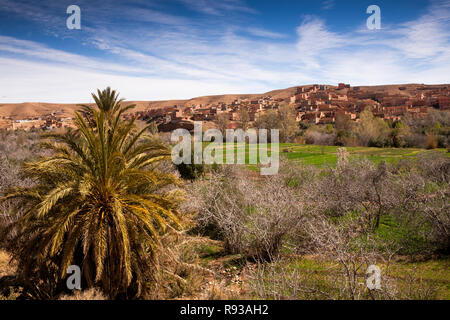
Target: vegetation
96	202
103	197
190	171
344	219
283	119
431	132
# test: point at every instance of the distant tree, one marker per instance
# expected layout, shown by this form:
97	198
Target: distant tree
303	126
244	119
371	131
190	171
398	134
222	122
432	140
284	120
289	127
343	123
269	120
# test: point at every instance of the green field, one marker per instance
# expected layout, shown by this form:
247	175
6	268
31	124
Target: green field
323	156
327	155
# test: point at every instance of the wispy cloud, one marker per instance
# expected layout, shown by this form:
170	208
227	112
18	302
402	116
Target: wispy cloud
265	33
218	7
328	4
158	54
427	36
314	39
414	51
29	50
150	15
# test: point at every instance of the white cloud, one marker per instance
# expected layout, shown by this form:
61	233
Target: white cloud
181	58
315	39
427	36
218	7
149	15
33	50
265	33
42	82
415	51
328	4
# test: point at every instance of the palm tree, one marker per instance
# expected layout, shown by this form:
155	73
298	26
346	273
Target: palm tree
106	101
98	202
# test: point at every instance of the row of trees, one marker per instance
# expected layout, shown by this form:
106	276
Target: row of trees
431	132
283	119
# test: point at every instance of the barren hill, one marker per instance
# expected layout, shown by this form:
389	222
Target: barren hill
26	110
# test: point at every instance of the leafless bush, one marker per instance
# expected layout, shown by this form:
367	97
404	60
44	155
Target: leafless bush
344	254
285	280
9	177
415	140
434	166
414	193
19	146
355	186
91	294
297	175
179	272
424	204
254	218
319	138
15	148
353	249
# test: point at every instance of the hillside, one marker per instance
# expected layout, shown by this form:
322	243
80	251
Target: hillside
26	110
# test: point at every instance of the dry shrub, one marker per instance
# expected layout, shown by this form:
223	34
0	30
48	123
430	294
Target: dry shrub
343	208
218	290
344	254
6	267
345	242
281	281
284	280
15	148
423	204
435	166
19	146
90	294
7	275
179	273
253	216
353	187
319	138
432	141
413	194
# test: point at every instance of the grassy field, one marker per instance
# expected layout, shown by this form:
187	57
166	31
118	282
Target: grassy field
324	156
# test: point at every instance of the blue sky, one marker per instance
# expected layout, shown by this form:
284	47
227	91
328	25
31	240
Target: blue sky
175	49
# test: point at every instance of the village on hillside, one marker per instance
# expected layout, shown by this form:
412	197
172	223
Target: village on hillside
314	104
50	121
